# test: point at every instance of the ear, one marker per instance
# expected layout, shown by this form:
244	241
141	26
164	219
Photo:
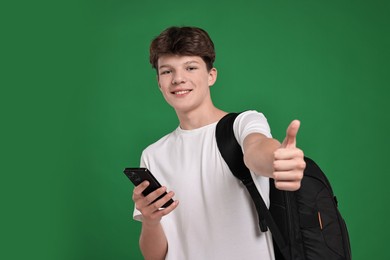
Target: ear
212	76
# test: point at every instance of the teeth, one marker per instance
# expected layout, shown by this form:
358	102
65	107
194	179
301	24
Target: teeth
181	92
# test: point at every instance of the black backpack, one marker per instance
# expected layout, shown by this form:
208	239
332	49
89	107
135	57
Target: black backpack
305	224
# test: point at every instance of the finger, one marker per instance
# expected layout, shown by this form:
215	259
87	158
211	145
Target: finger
140	188
170	208
288	185
159	213
287	176
151	197
291	134
161	202
288	154
289	160
155	209
146	204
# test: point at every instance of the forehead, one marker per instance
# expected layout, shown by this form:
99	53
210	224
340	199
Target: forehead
178	60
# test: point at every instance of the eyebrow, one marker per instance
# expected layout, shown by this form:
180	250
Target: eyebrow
185	63
191	61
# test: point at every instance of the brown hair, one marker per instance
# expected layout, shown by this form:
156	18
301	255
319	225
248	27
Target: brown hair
189	41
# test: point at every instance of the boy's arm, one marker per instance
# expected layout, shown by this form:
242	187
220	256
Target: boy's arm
153	242
282	162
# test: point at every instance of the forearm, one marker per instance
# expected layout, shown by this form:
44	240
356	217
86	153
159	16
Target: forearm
259	154
153	243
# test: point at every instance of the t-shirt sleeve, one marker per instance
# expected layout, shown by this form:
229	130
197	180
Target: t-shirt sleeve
249	122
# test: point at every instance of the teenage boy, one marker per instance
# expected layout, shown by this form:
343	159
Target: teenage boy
215	219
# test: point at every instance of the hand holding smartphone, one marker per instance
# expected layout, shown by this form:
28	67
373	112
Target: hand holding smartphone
138	175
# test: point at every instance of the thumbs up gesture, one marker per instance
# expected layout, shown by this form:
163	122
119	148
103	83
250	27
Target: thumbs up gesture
288	161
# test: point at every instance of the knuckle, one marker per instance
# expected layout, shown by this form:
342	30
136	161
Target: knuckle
147	200
298	175
155	206
302	165
136	197
275	164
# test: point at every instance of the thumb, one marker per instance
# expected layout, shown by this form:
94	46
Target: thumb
291	135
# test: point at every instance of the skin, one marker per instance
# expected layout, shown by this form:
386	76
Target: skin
185	82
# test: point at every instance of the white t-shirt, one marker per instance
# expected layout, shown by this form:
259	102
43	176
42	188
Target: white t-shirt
215	218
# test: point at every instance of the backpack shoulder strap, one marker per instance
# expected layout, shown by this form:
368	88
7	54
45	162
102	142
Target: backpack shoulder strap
230	149
231	152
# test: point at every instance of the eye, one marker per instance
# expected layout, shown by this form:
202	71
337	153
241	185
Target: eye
165	72
191	68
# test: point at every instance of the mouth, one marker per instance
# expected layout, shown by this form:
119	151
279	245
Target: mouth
181	92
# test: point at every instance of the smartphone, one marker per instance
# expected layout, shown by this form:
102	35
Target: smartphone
138	175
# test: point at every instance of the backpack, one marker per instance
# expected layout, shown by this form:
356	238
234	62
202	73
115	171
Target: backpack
305	224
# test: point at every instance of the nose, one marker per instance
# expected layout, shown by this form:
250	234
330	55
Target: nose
178	78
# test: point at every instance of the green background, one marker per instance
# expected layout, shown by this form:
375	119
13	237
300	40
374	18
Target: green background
79	102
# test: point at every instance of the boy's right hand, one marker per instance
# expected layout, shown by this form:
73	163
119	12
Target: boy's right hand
152	213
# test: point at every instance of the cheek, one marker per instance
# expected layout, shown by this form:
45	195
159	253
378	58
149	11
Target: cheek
205	82
165	79
164	89
162	84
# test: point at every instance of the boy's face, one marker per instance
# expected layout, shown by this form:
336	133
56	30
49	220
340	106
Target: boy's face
185	82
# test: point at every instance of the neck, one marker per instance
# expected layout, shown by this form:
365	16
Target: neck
196	119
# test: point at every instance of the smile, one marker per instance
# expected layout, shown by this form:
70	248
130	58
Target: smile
181	92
